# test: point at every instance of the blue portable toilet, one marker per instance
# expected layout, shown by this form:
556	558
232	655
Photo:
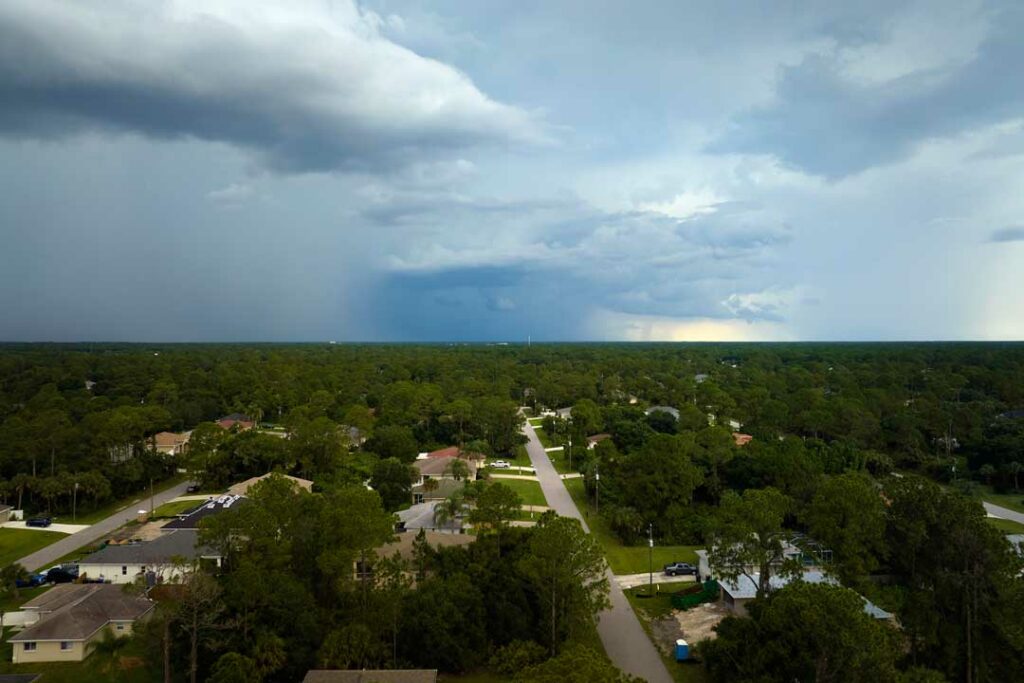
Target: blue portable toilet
682	650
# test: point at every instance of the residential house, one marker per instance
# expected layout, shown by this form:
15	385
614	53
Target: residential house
5	513
171	443
404	548
445	487
159	560
701	377
207	509
439	467
737	594
592	441
242	422
564	413
741	439
242	488
72	617
371	676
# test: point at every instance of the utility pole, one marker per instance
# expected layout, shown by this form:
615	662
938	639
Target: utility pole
650	557
570	451
74	504
597	484
151	509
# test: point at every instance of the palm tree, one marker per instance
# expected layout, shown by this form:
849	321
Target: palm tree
106	654
449	510
9	577
1015	469
430	485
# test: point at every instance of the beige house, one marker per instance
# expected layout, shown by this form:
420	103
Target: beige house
404	547
71	618
170	443
242	488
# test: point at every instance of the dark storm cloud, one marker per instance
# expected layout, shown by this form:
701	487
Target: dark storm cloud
311	87
828	123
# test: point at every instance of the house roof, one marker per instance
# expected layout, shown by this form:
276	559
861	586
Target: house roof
449	452
745	588
242	488
598	438
171	438
437	466
403	545
161	550
741	439
371	676
5	508
445	488
211	507
76	611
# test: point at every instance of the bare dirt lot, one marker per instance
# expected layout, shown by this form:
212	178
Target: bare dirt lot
692	625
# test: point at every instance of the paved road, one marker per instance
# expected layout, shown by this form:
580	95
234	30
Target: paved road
51	553
633	580
1005	513
624	639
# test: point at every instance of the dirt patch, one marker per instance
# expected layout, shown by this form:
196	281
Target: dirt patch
139	532
692	625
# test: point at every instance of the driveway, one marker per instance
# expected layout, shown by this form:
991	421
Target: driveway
98	531
62	528
621	634
634	580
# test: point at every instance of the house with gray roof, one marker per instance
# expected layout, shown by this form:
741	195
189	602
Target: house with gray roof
74	616
162	559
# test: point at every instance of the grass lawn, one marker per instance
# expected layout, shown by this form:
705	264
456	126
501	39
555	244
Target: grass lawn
1010	501
102	513
522	458
625	559
535	421
176	507
561	461
1007	526
529	491
17	543
545	440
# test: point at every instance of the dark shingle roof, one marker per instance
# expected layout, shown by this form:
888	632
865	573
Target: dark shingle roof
76	611
371	676
180	543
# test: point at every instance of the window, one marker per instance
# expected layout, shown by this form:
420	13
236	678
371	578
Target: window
119	627
124	570
30	647
66	645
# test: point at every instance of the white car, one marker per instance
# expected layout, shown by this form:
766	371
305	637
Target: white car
501	464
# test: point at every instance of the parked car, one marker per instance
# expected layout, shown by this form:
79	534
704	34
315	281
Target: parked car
33	581
39	521
60	575
680	568
192	488
501	464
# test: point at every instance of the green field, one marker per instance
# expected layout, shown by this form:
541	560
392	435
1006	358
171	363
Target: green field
625	559
176	508
545	440
1007	526
17	543
529	491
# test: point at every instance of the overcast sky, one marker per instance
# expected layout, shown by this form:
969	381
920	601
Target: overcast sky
218	170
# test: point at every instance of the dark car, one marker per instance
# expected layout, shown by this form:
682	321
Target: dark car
680	568
39	521
192	488
60	575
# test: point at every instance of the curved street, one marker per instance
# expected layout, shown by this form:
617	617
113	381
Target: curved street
623	638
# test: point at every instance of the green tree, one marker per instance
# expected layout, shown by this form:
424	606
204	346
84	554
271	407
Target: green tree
567	568
495	507
847	515
392	479
802	632
577	664
233	667
750	537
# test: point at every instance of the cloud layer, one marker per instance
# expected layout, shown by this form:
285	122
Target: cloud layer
305	85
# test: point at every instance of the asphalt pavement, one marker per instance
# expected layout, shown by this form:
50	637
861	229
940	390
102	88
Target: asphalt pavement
1004	513
51	553
621	634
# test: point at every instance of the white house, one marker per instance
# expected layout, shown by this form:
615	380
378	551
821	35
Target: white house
162	559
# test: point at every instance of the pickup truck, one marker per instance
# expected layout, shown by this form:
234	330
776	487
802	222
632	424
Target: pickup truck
677	568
